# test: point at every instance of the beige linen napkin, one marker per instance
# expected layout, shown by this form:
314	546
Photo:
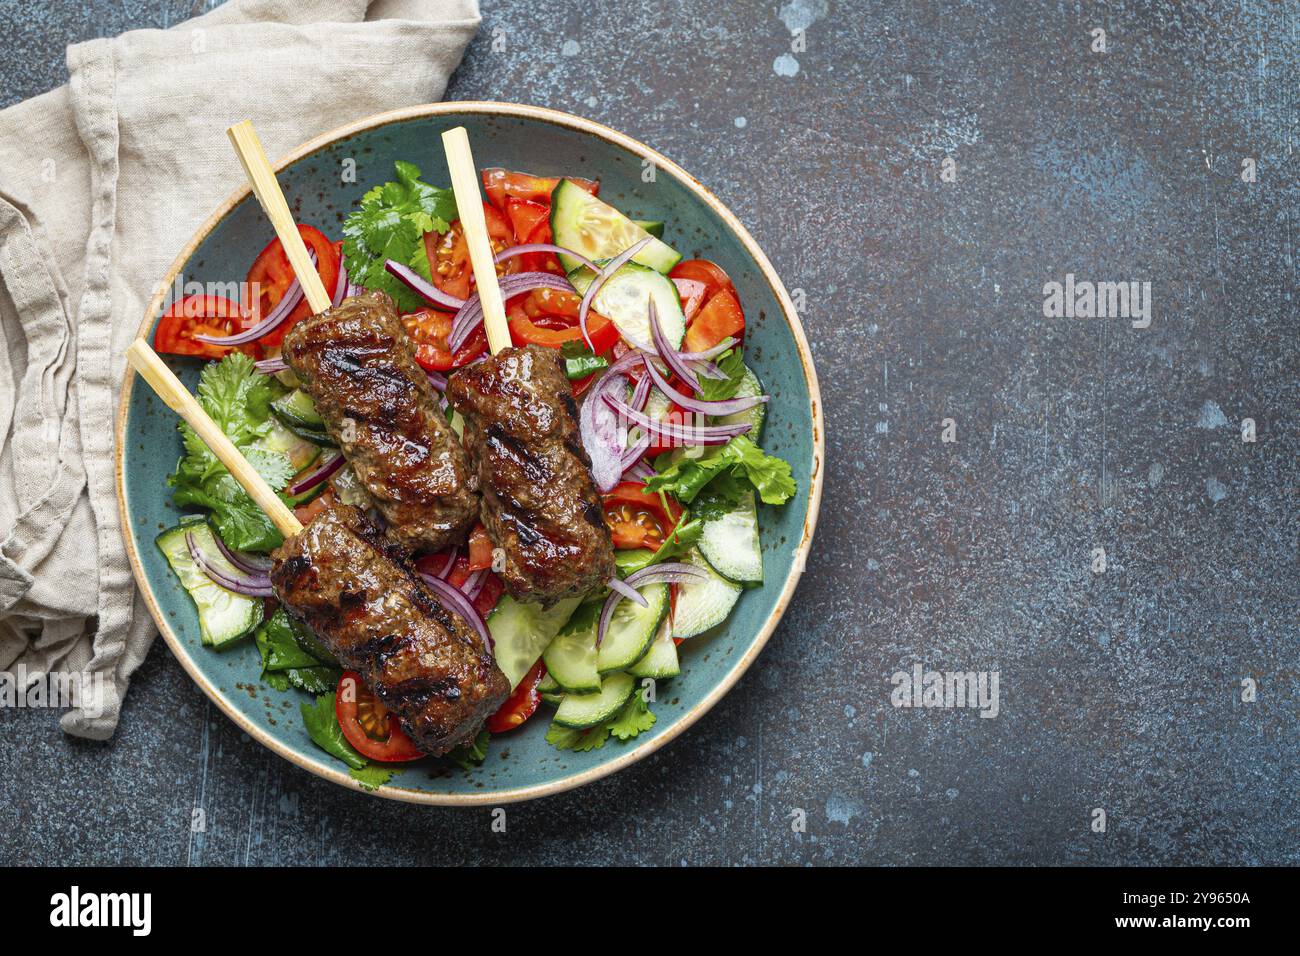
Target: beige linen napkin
101	184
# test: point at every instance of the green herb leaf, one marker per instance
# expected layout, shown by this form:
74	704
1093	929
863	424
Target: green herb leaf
374	775
634	718
731	362
469	756
322	725
566	738
684	478
390	223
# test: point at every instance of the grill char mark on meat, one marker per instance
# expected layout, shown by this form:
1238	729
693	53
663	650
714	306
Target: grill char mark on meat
358	364
539	503
349	584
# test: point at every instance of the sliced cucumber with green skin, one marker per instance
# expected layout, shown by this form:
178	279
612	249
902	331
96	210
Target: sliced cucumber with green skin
571	657
587	225
297	409
297	449
553	697
520	632
224	616
631	629
660	661
730	543
750	386
625	300
703	604
653	226
548	685
579	711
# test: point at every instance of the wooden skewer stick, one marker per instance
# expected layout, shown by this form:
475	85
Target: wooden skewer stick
178	398
267	190
469	205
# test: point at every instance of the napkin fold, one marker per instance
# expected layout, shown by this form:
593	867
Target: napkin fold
102	182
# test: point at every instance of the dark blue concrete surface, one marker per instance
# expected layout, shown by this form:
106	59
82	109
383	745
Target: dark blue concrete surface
924	302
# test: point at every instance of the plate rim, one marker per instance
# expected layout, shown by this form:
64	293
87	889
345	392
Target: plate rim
688	719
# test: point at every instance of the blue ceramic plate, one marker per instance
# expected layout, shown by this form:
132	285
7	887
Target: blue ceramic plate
538	141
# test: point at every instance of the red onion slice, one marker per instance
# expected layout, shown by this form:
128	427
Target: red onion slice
679	434
470	315
614	265
292	296
527	247
456	602
270	366
672	573
709	353
340	287
247	585
640	471
726	406
427	291
473	584
437	380
451	561
598	428
668	353
629	592
248	563
317	476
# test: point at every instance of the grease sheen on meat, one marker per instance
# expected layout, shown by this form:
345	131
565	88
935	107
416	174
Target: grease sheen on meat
349	584
539	503
358	365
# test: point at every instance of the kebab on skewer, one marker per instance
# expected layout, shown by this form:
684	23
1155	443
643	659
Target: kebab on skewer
357	363
424	661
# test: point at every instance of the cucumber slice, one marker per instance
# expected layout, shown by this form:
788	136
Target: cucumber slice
579	711
548	685
653	226
224	616
704	604
631	630
553	697
571	657
660	661
749	387
730	543
297	449
298	410
520	632
585	224
625	297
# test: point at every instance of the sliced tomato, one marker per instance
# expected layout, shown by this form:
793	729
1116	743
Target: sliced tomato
306	513
480	548
691	292
488	595
271	274
720	317
500	184
368	725
429	330
549	317
702	270
520	705
525	217
202	315
449	253
638	518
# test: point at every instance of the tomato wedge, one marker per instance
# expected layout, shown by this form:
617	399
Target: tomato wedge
638	518
702	270
501	183
720	317
480	548
202	315
367	724
449	253
549	317
429	330
306	513
271	274
520	705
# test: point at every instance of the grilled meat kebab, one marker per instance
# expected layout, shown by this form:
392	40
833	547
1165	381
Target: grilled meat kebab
349	584
358	365
539	503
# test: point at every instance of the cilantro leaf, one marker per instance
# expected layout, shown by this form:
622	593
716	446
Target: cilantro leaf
685	478
286	662
322	725
469	756
390	223
732	363
238	398
635	717
374	775
581	741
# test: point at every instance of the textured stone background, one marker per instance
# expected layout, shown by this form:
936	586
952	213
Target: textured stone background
924	302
